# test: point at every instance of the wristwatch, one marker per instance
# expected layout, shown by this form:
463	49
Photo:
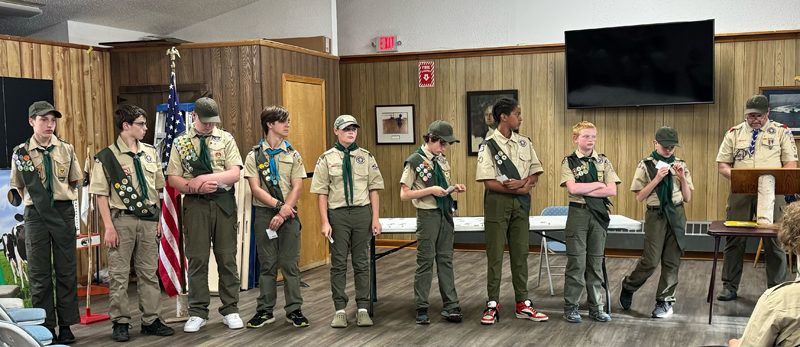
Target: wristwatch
279	204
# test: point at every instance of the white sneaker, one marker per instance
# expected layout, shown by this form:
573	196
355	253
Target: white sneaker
194	324
233	321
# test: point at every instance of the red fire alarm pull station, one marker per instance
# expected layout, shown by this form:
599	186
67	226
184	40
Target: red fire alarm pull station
426	74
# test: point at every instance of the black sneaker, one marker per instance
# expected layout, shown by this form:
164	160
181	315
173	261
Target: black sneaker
453	315
157	328
65	335
625	299
297	319
260	319
120	332
726	295
422	316
663	309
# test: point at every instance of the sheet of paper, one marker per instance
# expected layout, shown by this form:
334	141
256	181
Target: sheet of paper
271	234
450	189
661	164
502	178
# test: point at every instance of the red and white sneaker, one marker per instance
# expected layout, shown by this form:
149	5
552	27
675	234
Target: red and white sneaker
526	311
490	314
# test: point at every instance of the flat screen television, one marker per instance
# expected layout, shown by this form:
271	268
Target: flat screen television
653	64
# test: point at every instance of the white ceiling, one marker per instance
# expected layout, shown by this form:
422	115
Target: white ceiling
158	17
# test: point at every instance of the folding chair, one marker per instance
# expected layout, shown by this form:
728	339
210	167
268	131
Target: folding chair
557	248
12	335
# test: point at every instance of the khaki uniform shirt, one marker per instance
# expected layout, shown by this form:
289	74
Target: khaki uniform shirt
65	166
774	145
641	178
328	179
518	148
151	166
605	173
411	178
221	148
776	318
290	166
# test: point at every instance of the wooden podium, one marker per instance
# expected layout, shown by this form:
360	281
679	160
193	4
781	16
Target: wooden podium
745	181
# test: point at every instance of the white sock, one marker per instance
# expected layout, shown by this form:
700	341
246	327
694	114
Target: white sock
492	304
339	311
362	310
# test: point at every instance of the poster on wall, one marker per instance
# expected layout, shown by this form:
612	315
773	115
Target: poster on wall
784	106
480	121
7	211
394	124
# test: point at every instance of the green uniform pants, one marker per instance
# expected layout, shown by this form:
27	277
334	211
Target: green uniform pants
49	249
586	242
742	207
205	224
137	240
281	253
435	235
351	235
505	220
660	245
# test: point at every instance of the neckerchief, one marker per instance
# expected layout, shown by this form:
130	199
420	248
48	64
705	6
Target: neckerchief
137	165
205	157
48	169
347	170
664	188
272	153
133	199
597	206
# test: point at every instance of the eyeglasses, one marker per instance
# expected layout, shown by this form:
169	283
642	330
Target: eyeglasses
443	142
141	124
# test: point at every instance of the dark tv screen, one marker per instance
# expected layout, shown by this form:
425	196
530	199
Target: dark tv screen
653	64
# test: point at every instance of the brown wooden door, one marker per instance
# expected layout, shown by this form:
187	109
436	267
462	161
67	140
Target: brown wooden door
304	98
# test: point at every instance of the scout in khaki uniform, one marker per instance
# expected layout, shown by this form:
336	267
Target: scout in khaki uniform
275	172
204	165
425	181
127	179
774	321
590	180
509	168
756	142
45	170
347	180
664	182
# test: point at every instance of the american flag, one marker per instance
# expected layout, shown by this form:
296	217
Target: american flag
169	264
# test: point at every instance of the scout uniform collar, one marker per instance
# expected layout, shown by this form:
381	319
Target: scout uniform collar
284	146
54	141
594	155
122	147
500	138
215	133
428	154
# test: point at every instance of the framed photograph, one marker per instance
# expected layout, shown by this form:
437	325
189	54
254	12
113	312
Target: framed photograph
480	122
394	124
784	106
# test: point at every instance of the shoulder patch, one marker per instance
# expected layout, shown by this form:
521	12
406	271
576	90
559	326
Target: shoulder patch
641	164
564	161
732	129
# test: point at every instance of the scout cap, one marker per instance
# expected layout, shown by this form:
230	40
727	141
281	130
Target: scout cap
443	130
41	108
757	104
207	110
667	136
344	120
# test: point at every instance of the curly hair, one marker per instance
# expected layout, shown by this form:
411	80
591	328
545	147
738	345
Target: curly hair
789	233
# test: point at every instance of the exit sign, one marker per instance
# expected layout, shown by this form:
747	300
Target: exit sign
386	44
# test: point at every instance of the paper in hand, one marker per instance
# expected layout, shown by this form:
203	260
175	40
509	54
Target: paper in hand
450	189
271	234
661	164
502	178
330	239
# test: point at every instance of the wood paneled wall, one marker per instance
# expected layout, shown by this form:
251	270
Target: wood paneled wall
81	92
624	134
243	76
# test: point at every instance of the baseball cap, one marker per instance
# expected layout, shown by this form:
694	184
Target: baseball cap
442	130
757	104
41	108
667	136
207	110
344	120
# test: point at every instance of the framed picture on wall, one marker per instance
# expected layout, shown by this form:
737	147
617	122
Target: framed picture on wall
784	106
480	122
394	124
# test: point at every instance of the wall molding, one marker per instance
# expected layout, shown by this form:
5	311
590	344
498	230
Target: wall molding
535	49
